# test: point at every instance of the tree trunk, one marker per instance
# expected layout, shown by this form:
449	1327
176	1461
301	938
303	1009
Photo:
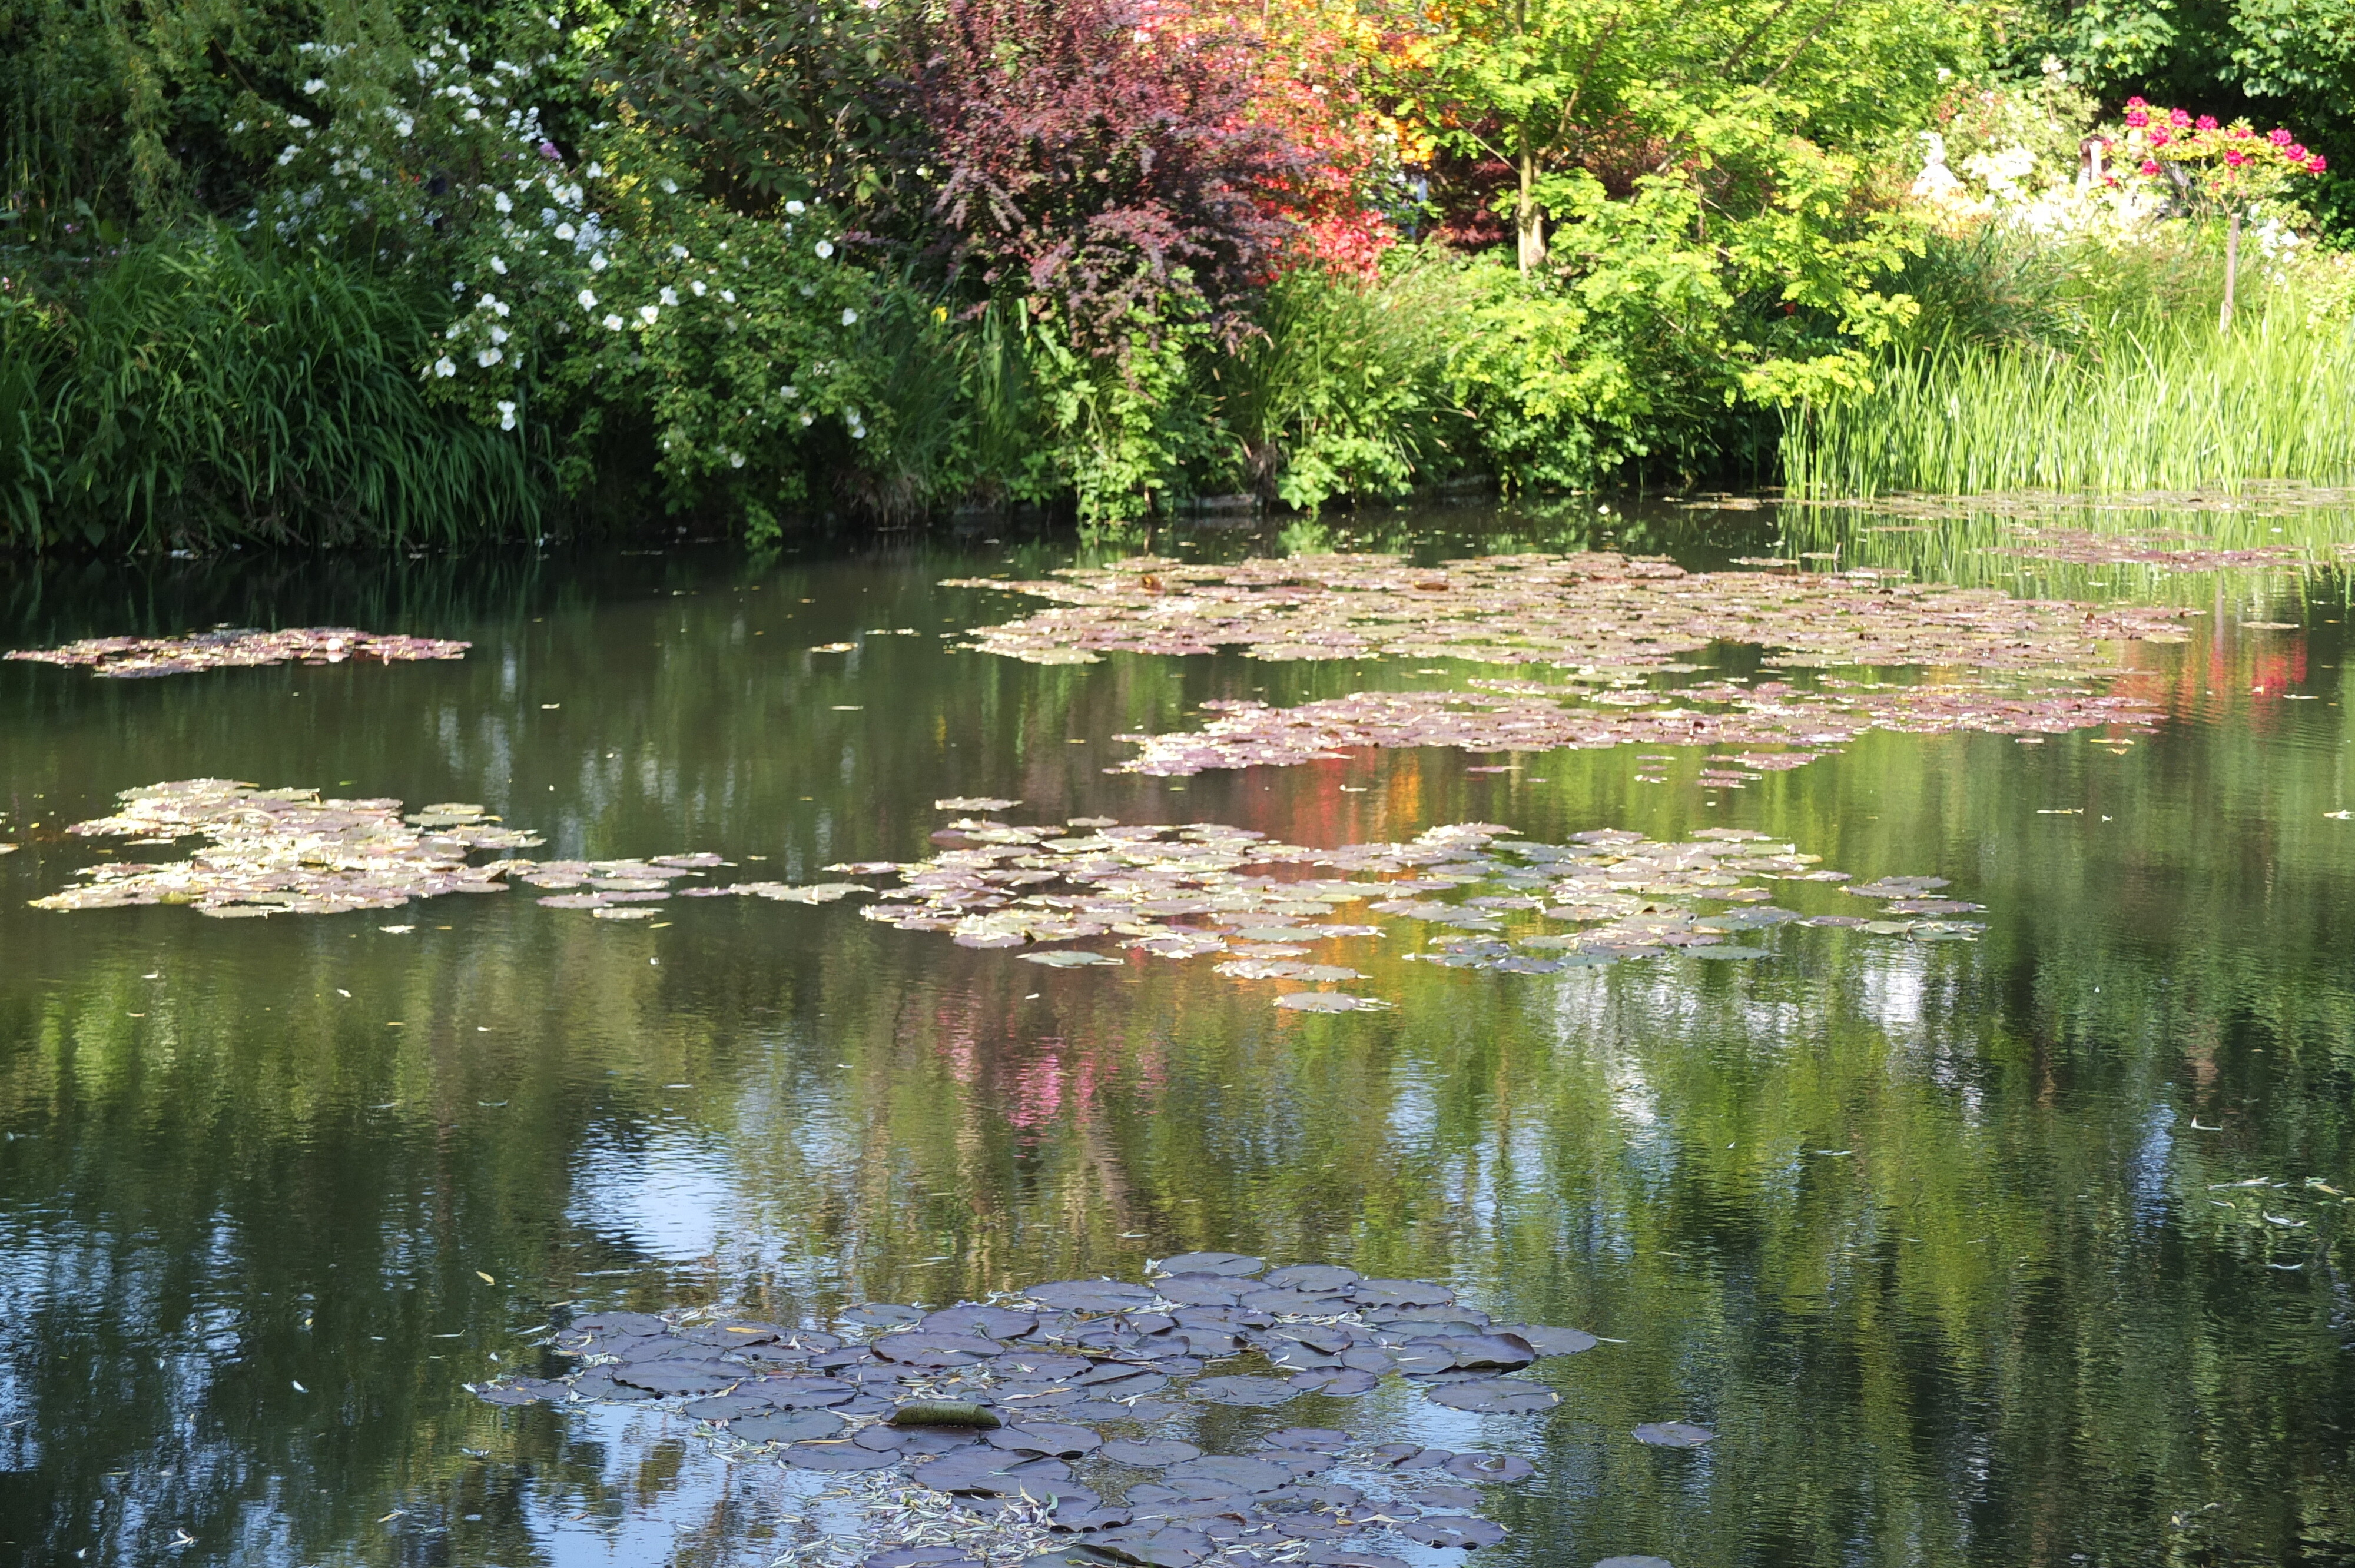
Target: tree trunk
2232	269
1528	219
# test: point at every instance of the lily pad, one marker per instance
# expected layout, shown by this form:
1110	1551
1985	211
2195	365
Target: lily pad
1312	1277
1328	1002
1451	1529
793	1426
834	1456
1673	1435
1496	1396
1490	1467
1547	1341
1151	1455
1224	1264
1245	1390
1050	1438
1062	959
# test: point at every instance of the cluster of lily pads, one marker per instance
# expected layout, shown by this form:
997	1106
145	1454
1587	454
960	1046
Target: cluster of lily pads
1179	892
1517	716
271	851
2172	551
1208	889
1593	612
1070	1416
136	658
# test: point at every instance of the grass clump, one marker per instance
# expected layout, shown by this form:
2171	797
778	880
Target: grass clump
197	392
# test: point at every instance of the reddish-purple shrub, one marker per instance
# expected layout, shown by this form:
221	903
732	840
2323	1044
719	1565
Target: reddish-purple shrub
1098	162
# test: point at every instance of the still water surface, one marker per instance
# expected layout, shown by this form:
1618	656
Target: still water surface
1943	1240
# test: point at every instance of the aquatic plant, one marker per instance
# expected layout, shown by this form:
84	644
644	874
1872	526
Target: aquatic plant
1592	611
1046	1416
140	658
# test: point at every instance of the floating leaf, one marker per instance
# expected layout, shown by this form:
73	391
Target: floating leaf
973	803
1451	1529
1496	1396
1328	1002
1065	959
1673	1435
1227	1263
1245	1390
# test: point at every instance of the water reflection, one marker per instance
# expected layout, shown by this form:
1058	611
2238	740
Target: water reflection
1948	1243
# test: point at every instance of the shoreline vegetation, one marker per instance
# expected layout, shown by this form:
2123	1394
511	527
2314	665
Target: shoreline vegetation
341	274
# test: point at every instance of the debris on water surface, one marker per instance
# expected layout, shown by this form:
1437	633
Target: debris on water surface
1595	612
972	1434
135	658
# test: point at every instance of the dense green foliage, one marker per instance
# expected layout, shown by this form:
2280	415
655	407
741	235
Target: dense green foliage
347	270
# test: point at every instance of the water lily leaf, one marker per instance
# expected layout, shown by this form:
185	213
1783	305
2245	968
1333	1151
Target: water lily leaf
1636	1562
1495	1396
1307	1439
674	1376
1049	1438
1490	1467
1151	1454
1066	960
1328	1002
1549	1342
973	803
1090	1295
1673	1435
1451	1529
1244	1389
1230	1264
793	1426
1339	1383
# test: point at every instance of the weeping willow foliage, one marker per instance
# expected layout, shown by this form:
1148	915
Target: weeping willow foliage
198	393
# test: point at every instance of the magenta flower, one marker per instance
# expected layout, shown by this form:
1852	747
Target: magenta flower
2294	151
2315	166
2148	167
2179	117
2235	157
2207	122
2137	117
2160	138
2279	137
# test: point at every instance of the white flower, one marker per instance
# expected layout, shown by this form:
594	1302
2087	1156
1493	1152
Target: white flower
450	335
405	125
498	266
679	252
445	366
612	323
287	158
507	416
849	317
728	296
669	185
595	170
314	87
490	357
735	460
796	208
565	231
858	432
789	391
825	248
597	263
809	418
472	114
587	301
500	334
696	288
297	122
669	296
647	313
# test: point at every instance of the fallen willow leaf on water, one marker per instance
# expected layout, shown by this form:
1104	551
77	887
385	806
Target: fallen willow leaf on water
1513	717
1595	611
1078	1413
134	657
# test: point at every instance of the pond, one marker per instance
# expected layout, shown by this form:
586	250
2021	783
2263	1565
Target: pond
1993	1217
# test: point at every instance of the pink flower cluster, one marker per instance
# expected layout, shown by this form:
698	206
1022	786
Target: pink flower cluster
2174	136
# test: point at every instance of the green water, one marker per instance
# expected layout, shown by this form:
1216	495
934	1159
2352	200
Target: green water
1938	1238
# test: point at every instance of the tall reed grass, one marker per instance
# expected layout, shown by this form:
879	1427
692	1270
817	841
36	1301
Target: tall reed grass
196	393
2174	411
